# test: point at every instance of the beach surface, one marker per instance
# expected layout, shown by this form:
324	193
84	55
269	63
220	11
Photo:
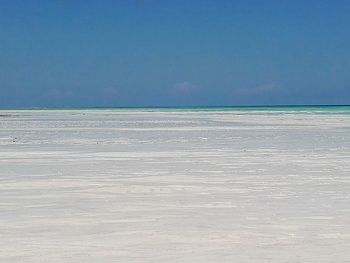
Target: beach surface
174	185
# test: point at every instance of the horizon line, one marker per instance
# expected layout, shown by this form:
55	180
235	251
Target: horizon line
170	107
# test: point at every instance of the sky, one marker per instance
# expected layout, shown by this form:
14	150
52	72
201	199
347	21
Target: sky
65	53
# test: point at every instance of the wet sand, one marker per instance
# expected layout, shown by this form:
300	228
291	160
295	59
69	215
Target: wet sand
174	186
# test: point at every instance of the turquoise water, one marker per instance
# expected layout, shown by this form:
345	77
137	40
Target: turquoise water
241	108
264	110
257	109
292	109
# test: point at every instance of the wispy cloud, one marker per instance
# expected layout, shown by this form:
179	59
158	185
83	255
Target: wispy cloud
185	89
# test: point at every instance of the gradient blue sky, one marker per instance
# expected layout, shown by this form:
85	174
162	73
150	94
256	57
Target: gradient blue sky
173	53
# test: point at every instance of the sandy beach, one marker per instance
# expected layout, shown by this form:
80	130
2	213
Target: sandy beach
174	186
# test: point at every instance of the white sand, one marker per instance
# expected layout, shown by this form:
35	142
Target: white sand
135	186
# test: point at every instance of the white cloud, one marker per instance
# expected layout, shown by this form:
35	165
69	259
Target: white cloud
185	88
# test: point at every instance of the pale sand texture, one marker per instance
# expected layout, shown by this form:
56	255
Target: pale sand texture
174	186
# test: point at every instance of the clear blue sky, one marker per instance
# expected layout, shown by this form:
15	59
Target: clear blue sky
166	53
